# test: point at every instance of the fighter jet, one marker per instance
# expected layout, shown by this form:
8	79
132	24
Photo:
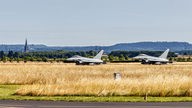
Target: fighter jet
146	59
87	61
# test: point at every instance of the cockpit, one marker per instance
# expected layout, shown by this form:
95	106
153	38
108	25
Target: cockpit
76	56
142	55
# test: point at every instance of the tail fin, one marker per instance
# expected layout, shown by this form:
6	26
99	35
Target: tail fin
99	55
165	54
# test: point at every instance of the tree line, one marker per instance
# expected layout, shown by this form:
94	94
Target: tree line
61	56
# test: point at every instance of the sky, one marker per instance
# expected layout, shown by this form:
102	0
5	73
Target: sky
94	22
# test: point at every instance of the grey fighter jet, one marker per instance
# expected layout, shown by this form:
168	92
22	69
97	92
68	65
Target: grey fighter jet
87	61
146	59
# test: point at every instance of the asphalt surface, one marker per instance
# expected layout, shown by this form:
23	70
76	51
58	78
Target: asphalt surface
61	104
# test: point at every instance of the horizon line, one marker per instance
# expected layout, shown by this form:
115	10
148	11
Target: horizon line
93	45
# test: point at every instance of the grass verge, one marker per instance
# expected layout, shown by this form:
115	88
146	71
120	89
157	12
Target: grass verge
7	91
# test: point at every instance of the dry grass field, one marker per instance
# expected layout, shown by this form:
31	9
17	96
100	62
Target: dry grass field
46	79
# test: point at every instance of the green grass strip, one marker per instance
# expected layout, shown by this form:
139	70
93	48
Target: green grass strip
7	91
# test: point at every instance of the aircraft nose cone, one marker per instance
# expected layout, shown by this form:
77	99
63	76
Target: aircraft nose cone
69	59
136	57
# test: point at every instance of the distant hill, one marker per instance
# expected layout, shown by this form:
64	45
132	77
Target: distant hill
20	48
138	46
153	46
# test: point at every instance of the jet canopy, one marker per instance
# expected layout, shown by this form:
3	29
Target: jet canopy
142	55
76	56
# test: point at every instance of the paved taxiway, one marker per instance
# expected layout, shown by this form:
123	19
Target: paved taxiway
61	104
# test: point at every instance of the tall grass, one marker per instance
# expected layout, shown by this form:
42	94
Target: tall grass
68	79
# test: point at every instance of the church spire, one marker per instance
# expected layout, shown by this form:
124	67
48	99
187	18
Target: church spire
26	46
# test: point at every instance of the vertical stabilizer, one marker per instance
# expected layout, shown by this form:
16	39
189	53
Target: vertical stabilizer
99	55
165	54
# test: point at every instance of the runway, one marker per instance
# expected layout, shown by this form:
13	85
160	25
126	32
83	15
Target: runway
61	104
